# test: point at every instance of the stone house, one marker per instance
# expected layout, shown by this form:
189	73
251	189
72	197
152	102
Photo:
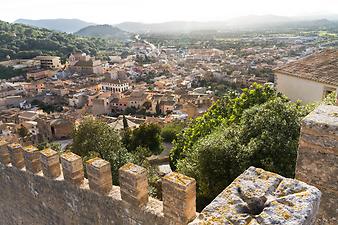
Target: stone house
87	67
61	128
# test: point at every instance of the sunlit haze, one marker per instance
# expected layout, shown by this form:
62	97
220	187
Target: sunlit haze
116	11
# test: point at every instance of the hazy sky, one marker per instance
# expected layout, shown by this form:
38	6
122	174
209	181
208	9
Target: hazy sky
115	11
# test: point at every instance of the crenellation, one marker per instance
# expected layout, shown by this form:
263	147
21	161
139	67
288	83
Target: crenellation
179	198
32	159
318	156
255	197
72	168
50	162
133	184
99	175
4	154
16	155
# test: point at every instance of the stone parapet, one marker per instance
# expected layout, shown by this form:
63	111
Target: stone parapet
4	154
255	197
32	159
179	198
99	175
133	184
317	161
50	161
72	167
16	155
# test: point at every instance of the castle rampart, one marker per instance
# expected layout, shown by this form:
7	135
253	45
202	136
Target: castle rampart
317	162
43	187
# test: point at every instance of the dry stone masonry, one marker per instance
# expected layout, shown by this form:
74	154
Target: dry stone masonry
317	162
260	197
37	189
134	184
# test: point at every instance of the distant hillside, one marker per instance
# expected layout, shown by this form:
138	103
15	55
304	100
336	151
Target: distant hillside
245	23
104	31
63	25
22	41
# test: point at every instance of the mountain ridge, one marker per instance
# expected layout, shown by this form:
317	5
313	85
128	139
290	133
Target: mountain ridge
62	25
104	31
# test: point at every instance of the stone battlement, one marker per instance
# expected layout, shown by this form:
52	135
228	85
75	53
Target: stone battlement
37	189
317	162
43	187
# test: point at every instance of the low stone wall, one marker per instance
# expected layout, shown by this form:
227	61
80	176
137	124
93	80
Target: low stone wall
317	162
37	189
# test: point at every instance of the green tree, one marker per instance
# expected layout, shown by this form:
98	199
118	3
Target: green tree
148	136
95	138
170	131
158	108
264	135
125	123
53	145
22	131
227	110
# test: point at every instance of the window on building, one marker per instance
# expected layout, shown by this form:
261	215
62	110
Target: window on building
327	91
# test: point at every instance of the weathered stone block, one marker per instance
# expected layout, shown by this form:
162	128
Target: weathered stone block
32	159
99	175
133	184
50	162
260	197
72	168
4	154
179	198
317	161
16	155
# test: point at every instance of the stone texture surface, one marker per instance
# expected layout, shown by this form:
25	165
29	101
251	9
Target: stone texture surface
99	175
260	197
16	155
179	198
133	184
317	162
4	154
72	168
32	159
50	162
27	198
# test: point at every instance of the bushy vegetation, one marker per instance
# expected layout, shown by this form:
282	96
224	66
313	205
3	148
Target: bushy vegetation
146	136
170	131
330	99
255	128
96	138
48	108
9	72
21	41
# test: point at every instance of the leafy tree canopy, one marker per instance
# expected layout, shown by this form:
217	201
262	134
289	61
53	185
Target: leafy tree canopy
20	41
148	136
255	128
95	138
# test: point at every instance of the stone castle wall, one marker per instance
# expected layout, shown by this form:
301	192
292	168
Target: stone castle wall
43	187
317	162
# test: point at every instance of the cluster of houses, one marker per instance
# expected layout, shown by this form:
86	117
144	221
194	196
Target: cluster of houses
151	85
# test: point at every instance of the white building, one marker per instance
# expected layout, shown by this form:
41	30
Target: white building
115	86
309	79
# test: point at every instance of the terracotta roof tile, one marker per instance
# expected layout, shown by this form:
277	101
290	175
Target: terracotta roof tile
321	67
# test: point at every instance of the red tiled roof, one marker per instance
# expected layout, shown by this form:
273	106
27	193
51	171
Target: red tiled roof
321	67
